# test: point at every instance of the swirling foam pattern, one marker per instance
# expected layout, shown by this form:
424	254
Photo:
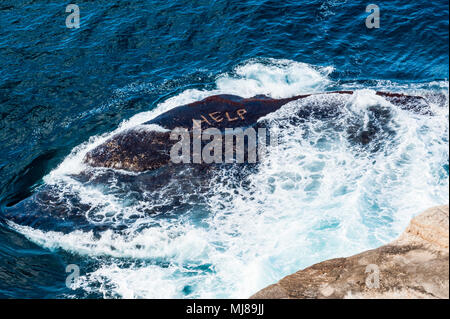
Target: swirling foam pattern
320	194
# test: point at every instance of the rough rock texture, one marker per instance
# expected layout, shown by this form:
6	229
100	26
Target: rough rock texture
141	148
416	265
134	150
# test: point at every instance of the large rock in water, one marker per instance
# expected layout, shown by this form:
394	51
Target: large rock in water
143	148
416	265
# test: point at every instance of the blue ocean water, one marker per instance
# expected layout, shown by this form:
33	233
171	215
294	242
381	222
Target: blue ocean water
64	90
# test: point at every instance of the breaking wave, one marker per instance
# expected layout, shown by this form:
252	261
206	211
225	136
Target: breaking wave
318	195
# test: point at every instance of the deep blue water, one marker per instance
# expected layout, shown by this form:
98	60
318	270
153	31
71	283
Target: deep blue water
60	86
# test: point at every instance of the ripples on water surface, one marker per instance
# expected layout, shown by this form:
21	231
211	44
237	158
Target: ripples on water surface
228	234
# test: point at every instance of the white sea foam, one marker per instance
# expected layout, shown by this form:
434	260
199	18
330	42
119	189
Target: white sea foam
314	197
275	78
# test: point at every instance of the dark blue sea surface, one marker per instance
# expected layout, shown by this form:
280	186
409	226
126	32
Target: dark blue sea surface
62	89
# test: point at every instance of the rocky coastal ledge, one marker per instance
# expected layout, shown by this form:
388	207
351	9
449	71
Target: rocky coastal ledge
416	265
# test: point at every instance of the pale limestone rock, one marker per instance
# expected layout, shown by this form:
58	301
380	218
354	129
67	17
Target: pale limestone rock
416	265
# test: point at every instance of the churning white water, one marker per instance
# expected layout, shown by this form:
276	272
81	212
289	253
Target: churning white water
316	196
